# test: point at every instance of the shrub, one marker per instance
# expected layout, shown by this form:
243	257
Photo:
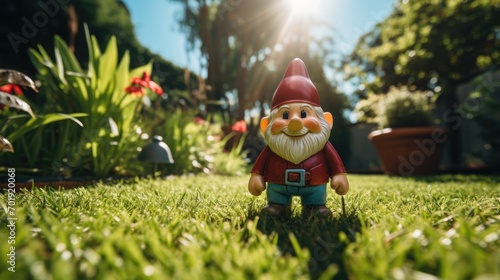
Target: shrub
197	147
400	107
25	131
109	137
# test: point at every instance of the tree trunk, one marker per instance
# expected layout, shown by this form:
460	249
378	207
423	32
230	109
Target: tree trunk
241	80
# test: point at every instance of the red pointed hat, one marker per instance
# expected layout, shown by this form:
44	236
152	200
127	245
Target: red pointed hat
296	86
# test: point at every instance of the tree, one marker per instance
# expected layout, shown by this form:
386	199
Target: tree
428	45
247	45
245	42
29	23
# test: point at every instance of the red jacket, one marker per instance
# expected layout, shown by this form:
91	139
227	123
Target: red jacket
319	168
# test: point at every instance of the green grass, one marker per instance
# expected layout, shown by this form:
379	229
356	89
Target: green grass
209	228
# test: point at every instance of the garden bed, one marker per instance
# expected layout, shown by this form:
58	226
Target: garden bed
202	227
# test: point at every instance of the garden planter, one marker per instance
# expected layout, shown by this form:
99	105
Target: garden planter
409	151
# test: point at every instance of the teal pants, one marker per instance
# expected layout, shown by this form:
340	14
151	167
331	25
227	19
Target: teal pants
282	194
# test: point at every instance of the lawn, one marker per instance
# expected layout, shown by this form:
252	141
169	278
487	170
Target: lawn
201	227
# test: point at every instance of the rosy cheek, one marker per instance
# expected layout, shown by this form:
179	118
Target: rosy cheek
278	126
312	125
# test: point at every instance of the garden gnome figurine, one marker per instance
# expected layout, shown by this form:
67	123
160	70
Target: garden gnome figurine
298	159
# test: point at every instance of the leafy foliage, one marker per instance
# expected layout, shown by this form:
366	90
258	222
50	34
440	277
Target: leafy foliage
15	102
117	116
246	43
398	108
109	137
41	121
232	162
366	109
197	148
66	19
433	44
428	45
14	125
17	129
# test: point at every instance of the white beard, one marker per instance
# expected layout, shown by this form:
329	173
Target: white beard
297	150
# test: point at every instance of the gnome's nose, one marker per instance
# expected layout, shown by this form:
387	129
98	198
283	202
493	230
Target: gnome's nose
295	124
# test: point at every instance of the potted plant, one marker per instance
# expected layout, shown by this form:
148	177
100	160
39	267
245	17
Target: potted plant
407	143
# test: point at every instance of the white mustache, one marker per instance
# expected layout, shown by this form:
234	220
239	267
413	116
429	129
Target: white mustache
297	150
301	132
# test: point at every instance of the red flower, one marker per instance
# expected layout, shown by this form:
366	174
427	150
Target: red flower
199	120
155	88
12	89
138	85
239	126
139	82
135	90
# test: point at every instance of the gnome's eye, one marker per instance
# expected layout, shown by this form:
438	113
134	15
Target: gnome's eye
285	115
303	114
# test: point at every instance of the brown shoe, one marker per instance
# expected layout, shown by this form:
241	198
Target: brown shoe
277	210
319	210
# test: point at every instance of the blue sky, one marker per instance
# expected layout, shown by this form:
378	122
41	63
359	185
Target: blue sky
157	28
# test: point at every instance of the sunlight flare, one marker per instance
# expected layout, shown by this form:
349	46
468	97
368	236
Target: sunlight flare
302	7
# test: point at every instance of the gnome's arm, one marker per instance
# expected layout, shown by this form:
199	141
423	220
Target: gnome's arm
339	180
339	183
257	184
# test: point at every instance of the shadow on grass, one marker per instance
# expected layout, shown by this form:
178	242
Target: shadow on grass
324	238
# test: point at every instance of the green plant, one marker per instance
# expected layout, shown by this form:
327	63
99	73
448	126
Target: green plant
190	143
366	109
232	162
197	147
399	108
110	136
24	135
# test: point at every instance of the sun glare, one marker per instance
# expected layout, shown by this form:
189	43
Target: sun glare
303	7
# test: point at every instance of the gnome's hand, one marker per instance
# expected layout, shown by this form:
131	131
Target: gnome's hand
340	184
256	184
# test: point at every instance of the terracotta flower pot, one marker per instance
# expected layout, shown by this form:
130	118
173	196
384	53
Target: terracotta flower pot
409	151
